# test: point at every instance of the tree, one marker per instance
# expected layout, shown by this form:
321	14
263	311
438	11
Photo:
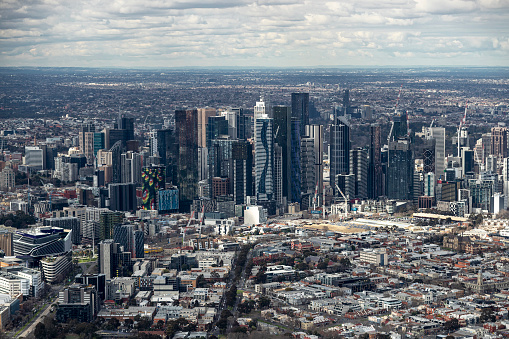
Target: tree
200	281
264	302
451	325
487	315
40	331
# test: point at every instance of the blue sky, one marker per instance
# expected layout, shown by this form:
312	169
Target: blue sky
273	33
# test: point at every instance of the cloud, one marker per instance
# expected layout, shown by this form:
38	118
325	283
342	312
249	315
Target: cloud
259	33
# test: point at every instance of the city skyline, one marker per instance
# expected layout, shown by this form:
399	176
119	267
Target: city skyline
278	33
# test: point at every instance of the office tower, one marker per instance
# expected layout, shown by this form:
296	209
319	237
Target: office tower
96	280
375	181
486	144
399	129
400	170
428	156
123	131
243	126
438	134
69	223
116	168
162	145
491	163
107	221
339	157
499	142
98	142
242	156
131	168
346	102
48	155
7	178
186	123
359	169
220	162
86	141
124	235
77	302
429	184
308	175
315	132
122	197
278	175
231	116
300	110
108	251
262	109
295	166
139	244
6	242
203	118
34	158
217	127
467	160
283	137
264	158
152	178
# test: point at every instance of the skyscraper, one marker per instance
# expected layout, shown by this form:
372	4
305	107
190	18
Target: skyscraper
359	169
139	244
203	119
375	163
499	142
346	102
86	141
186	123
220	161
130	163
400	170
315	132
152	178
438	133
122	197
300	109
339	149
295	165
264	158
283	137
308	174
242	156
217	126
108	251
124	235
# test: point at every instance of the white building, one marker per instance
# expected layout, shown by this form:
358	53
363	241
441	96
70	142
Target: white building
376	257
13	285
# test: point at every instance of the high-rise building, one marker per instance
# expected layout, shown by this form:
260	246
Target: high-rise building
124	235
308	175
130	163
122	197
438	133
283	137
86	141
346	102
339	157
359	169
34	158
41	242
107	262
242	156
139	244
116	156
295	162
70	223
399	126
499	142
278	175
400	170
467	160
217	127
6	242
220	162
264	158
7	178
315	132
375	172
203	119
152	178
186	123
107	221
98	281
300	110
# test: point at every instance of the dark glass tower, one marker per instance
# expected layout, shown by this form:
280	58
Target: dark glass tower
375	170
300	109
242	155
216	127
186	122
283	137
339	149
295	164
400	170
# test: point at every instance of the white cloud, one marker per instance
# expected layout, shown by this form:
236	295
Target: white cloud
260	33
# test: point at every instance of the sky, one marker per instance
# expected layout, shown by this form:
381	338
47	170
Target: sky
263	33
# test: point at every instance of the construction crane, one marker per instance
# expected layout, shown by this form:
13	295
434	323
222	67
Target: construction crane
184	229
346	200
315	199
392	125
